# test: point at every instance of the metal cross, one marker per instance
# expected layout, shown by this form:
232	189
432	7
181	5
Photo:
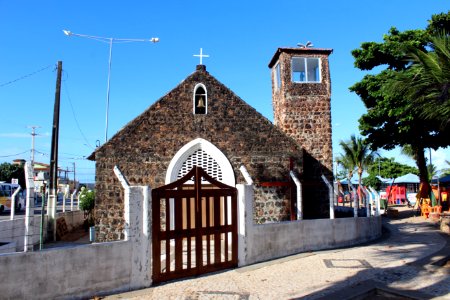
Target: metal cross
201	55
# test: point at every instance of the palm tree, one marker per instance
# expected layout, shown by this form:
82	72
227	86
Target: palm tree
358	151
427	82
432	171
347	163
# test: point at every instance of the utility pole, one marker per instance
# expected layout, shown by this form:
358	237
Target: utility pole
53	185
33	134
74	178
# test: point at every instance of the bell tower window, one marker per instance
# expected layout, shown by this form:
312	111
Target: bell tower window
200	100
306	69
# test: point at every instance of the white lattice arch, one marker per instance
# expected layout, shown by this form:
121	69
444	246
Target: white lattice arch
201	153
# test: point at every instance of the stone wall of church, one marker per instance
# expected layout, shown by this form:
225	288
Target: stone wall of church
144	148
272	204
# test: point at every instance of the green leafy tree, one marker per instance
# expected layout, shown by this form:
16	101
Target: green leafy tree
391	119
9	171
372	181
389	168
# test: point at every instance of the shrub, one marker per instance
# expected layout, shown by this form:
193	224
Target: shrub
87	203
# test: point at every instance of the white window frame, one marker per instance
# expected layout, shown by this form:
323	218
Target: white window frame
206	98
305	59
277	76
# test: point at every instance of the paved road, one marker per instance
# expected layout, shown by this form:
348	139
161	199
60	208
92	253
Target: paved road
407	260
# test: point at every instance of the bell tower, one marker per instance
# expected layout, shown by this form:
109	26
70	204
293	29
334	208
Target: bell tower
301	98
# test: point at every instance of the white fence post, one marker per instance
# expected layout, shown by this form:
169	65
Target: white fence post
13	202
330	194
71	199
377	201
368	200
126	186
355	202
246	175
29	208
298	184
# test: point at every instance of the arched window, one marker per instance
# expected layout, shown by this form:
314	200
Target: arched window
200	100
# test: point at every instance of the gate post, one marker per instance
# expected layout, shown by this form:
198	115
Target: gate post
137	215
245	220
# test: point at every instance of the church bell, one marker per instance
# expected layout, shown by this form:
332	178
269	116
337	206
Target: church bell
201	103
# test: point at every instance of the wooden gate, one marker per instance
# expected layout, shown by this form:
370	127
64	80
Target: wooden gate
194	227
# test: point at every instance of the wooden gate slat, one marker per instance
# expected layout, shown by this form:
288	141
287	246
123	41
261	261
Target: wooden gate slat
167	226
178	226
217	241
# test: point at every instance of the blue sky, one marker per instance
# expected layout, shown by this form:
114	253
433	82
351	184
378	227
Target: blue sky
240	37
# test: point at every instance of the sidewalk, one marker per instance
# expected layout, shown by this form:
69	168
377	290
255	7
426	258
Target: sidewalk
411	260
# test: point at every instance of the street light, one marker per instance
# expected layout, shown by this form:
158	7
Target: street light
379	166
110	41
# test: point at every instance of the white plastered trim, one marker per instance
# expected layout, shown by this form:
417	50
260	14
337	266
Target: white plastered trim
182	155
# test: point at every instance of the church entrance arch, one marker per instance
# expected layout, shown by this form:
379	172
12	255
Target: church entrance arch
200	152
194	226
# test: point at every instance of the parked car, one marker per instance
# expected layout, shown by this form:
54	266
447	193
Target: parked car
6	192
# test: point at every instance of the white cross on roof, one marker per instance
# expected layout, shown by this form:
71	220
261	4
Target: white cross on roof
201	55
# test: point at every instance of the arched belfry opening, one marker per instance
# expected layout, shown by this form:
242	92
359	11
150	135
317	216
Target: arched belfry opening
200	99
201	153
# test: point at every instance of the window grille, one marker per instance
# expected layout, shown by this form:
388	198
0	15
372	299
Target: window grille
201	159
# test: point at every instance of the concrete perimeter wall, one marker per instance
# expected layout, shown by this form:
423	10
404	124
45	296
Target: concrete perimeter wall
270	241
263	242
104	268
12	232
62	273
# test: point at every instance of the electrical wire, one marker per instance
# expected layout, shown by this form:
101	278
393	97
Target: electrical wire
25	76
15	154
73	112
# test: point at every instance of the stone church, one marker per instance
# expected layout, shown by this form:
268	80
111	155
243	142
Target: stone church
201	122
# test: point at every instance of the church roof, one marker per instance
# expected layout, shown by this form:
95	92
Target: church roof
297	50
228	116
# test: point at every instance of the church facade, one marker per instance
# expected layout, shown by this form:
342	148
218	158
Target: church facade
203	123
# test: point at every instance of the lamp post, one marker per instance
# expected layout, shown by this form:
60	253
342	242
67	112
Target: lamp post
110	41
379	166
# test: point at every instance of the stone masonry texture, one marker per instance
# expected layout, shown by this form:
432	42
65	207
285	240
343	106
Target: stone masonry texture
144	148
303	112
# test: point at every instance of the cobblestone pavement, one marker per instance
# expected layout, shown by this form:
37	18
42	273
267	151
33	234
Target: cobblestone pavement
411	259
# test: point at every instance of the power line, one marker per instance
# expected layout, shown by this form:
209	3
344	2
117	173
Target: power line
25	76
2	156
73	113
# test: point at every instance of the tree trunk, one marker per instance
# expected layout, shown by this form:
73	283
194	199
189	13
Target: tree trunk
360	171
424	190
